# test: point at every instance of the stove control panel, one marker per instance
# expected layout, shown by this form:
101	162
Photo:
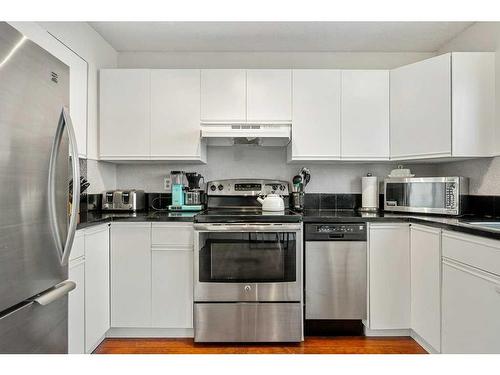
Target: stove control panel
247	187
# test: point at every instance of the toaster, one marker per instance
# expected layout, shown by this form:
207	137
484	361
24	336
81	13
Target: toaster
123	200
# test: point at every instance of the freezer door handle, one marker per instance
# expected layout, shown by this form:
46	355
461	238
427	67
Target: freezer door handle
60	290
64	248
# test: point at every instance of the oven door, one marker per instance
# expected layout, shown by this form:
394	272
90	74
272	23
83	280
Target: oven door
248	262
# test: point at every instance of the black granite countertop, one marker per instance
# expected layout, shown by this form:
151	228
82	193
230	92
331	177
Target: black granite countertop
92	218
458	224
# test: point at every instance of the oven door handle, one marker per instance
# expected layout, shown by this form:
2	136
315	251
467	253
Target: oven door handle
251	227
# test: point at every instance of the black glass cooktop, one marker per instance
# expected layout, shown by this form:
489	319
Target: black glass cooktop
232	215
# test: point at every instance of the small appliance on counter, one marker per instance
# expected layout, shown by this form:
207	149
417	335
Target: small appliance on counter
369	190
123	200
186	198
427	195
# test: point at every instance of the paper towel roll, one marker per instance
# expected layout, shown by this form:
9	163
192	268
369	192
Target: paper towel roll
369	189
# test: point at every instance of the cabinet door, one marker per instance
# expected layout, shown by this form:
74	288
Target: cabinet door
421	109
365	114
269	95
315	115
473	94
175	115
425	248
172	288
223	95
471	310
124	113
78	71
96	286
389	281
130	275
76	308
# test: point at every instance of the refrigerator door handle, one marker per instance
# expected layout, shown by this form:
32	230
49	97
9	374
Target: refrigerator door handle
60	290
64	248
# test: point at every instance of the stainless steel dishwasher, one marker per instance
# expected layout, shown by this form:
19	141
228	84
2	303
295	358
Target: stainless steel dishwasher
335	271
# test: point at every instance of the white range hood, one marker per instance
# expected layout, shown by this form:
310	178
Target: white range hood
255	133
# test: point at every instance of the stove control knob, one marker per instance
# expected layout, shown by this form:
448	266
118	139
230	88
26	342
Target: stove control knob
213	188
220	187
275	187
282	187
248	288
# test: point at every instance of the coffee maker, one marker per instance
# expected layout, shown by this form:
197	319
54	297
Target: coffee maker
186	198
193	195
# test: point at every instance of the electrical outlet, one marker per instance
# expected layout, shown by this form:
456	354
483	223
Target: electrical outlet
167	183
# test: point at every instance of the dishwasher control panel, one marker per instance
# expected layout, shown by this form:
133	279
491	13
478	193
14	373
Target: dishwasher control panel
336	232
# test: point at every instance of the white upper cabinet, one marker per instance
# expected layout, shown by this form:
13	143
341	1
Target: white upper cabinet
443	107
473	103
426	284
269	95
223	95
175	115
316	97
365	115
421	109
124	114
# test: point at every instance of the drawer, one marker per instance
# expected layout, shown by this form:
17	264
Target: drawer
78	249
248	322
172	234
474	251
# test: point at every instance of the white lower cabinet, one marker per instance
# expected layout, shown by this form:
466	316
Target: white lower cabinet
425	262
172	275
96	285
172	288
131	275
389	276
470	294
76	298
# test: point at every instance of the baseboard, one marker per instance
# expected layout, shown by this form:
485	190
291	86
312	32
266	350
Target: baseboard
94	347
424	344
150	332
386	332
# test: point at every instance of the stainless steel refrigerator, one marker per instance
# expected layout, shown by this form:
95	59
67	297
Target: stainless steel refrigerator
37	225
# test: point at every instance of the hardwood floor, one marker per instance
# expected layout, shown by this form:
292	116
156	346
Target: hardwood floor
312	345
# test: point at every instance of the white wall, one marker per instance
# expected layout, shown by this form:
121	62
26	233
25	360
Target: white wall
331	60
484	174
260	162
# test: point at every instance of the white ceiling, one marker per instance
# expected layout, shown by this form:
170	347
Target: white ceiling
279	36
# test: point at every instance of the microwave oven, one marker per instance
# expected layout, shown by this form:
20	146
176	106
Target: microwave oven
429	195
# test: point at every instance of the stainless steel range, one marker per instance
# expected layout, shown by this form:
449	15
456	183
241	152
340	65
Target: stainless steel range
247	266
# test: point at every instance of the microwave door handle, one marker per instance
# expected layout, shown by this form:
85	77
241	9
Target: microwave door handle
64	246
